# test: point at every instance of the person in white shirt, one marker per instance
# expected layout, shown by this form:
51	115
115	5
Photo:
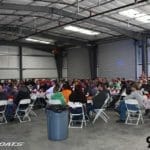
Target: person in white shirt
51	89
135	94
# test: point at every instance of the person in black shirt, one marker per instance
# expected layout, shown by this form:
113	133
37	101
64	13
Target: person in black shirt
100	98
23	93
77	95
3	95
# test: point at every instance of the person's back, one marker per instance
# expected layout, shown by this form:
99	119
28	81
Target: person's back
3	95
99	99
136	95
23	93
66	91
77	95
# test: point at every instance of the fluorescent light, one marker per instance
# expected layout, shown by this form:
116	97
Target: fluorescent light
80	30
131	13
144	19
37	41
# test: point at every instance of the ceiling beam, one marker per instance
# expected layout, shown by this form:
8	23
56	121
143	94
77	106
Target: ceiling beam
78	17
31	45
57	38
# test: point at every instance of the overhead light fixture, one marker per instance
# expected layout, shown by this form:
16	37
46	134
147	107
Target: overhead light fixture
131	13
144	19
37	40
80	30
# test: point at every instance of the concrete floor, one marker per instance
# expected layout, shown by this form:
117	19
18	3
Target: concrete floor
100	136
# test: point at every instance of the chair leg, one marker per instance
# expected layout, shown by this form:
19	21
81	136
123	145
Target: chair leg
32	113
142	120
104	118
126	122
96	117
4	120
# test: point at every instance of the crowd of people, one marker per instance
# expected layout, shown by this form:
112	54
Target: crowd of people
79	90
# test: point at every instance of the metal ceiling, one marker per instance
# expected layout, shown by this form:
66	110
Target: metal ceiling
20	19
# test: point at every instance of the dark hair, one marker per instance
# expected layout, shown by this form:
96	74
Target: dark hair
66	86
78	88
56	88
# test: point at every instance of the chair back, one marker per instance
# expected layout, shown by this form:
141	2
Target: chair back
25	101
76	105
106	102
132	102
3	104
134	113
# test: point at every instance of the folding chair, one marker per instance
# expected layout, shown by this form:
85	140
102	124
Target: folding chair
31	107
134	113
23	110
77	114
3	104
101	112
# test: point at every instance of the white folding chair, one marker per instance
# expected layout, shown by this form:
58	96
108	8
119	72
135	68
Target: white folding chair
79	115
23	110
32	105
3	104
134	113
101	112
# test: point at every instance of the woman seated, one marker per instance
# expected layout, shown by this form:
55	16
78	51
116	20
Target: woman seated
135	94
23	93
66	91
77	95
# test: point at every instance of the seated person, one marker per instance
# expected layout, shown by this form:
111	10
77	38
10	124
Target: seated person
77	95
99	99
66	91
23	93
3	95
135	94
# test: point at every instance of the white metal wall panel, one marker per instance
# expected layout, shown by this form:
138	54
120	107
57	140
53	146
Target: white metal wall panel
9	63
117	59
9	74
38	62
78	63
65	67
65	71
40	73
8	50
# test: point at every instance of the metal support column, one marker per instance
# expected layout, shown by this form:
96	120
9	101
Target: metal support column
20	63
144	56
92	49
59	62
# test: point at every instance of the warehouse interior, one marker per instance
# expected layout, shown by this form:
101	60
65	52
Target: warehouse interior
68	39
24	22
